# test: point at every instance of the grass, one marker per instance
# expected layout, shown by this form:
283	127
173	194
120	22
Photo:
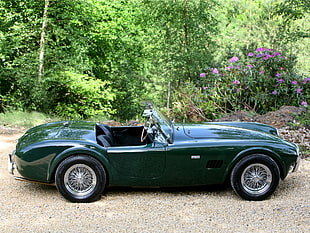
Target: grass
24	119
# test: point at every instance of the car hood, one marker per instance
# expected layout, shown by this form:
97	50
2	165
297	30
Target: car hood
64	130
251	131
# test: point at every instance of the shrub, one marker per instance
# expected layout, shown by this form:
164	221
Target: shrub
79	96
264	81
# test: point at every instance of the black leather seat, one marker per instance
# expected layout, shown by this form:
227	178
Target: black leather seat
105	137
103	140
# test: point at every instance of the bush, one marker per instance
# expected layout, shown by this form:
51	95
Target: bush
264	81
77	96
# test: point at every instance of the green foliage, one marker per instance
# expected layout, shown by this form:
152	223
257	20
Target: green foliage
148	50
263	81
23	119
191	103
77	96
117	52
277	24
304	118
179	37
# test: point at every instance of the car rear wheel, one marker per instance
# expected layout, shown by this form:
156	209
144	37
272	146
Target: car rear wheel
255	177
80	178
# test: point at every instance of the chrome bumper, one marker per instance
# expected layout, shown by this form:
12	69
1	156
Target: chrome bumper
11	163
296	165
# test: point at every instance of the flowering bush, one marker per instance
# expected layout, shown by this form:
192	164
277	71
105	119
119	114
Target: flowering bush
263	81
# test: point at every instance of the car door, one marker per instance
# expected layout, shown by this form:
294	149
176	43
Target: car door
146	162
185	165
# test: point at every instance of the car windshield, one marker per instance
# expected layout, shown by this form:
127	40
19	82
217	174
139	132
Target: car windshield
165	125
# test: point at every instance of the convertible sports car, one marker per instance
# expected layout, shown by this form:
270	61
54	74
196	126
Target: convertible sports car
83	158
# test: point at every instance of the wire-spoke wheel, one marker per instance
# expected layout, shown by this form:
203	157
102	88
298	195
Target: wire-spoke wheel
255	177
80	178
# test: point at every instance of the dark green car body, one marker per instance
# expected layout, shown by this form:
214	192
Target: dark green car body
172	154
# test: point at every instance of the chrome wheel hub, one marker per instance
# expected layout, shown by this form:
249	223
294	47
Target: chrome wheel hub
256	178
80	179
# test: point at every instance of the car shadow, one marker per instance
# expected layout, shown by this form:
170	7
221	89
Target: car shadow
170	190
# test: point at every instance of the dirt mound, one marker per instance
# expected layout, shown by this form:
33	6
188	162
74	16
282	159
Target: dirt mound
281	117
278	119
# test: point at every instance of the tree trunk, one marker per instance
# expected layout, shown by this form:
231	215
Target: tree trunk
186	43
42	40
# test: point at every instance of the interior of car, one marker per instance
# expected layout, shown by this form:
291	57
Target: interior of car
108	136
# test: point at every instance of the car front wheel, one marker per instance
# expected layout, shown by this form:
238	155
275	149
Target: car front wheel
80	178
255	177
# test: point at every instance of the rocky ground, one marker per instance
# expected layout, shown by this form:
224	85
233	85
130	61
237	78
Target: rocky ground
28	207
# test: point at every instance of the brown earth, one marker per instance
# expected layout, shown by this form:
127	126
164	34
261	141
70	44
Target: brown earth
280	118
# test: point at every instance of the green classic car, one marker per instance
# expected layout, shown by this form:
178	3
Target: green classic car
84	158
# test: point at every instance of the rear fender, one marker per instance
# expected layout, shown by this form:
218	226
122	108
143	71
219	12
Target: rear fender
99	154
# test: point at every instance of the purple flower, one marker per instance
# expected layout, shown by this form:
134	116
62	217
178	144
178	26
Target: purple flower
261	72
233	59
266	57
276	54
304	103
294	82
260	50
202	75
250	66
281	68
229	67
236	82
215	71
306	80
280	81
238	90
278	74
250	54
205	88
299	91
274	92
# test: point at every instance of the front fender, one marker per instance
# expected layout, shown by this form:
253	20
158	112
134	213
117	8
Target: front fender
98	153
257	150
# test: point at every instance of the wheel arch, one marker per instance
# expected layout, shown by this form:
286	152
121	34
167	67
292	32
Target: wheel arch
77	151
257	150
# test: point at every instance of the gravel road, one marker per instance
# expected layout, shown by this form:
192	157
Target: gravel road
26	207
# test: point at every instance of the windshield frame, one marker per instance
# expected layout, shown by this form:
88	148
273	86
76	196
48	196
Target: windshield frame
166	127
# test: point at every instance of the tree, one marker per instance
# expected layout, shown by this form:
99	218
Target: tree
180	34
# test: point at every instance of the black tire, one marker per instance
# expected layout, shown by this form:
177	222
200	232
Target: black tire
80	178
255	177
